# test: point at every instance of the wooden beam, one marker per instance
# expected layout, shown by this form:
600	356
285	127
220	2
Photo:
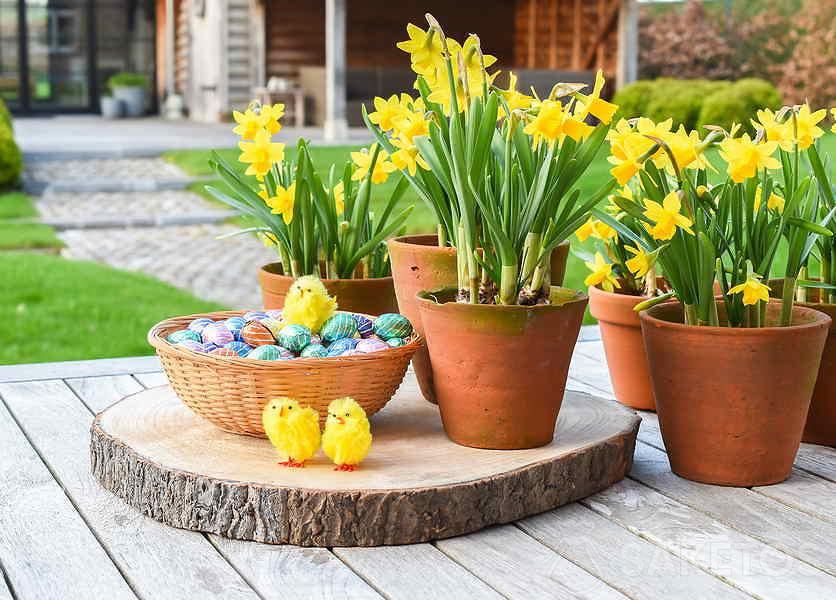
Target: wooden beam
553	34
577	14
532	33
599	49
603	29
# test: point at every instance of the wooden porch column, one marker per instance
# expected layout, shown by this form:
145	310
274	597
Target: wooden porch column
628	43
173	105
336	125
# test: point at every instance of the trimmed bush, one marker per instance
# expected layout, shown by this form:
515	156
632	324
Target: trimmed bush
11	160
738	103
5	115
125	79
634	98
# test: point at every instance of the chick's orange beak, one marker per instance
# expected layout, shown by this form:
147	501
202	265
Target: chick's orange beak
282	412
340	420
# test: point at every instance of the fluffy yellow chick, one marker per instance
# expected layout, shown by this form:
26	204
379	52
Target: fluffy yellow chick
347	436
293	430
308	303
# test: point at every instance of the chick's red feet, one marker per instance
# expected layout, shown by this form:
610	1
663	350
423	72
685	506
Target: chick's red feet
345	468
292	463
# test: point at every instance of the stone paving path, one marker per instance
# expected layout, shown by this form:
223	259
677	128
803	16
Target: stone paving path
135	214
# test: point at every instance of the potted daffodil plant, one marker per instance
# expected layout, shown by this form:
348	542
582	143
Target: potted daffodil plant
321	226
731	405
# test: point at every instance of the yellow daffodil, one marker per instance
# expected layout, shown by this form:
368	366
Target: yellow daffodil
363	160
594	105
775	202
596	229
686	149
387	112
268	239
548	124
281	203
576	128
745	157
411	124
702	190
753	290
601	274
260	154
666	217
773	130
516	100
833	117
640	264
473	60
627	146
424	49
407	157
248	123
271	115
661	130
807	130
339	197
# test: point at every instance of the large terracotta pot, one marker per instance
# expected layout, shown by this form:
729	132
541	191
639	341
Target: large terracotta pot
499	371
418	263
731	401
821	420
624	347
368	296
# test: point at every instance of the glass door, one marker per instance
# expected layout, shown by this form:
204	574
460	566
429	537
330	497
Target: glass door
9	53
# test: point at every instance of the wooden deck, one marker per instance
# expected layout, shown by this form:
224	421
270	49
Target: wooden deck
654	535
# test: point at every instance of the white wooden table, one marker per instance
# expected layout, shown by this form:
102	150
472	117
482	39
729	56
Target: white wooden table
654	535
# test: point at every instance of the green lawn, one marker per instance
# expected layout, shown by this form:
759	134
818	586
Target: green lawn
59	309
16	205
23	236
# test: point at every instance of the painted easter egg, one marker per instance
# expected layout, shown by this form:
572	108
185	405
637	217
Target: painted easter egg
273	325
315	338
224	352
218	334
274	313
286	353
371	345
198	324
182	335
255	334
365	327
240	348
294	337
396	342
208	347
267	352
352	352
190	345
314	351
339	325
254	315
392	325
233	323
341	345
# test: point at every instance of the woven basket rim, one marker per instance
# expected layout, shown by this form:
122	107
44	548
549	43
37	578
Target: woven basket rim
156	337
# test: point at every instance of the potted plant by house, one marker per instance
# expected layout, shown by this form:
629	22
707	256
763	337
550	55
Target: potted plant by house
129	88
510	178
111	107
323	228
731	404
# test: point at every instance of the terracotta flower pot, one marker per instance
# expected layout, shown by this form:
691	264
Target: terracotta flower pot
624	347
499	371
368	296
821	420
732	402
418	263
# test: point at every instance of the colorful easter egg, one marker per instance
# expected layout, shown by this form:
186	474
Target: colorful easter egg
267	352
338	325
198	324
274	313
286	353
254	315
365	327
190	345
396	342
208	347
314	351
273	325
294	337
352	352
224	352
256	333
218	334
240	348
315	338
341	345
182	335
392	325
233	323
371	345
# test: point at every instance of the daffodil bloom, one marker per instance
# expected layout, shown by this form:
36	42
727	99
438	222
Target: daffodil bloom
268	239
248	123
661	130
601	274
628	146
339	197
686	149
773	130
753	290
833	116
363	160
576	128
745	157
387	112
473	60
410	125
594	105
260	154
281	203
596	229
640	264
548	124
666	217
806	126
516	100
775	202
271	115
407	157
424	49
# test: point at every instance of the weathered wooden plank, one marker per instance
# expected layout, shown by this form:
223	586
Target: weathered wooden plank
627	562
157	560
292	572
46	549
591	372
819	460
79	368
791	531
100	392
5	593
743	561
518	566
150	380
594	349
417	571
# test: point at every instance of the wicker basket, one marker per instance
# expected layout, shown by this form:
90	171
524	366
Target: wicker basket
231	392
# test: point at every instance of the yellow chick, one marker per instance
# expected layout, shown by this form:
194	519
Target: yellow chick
308	303
347	436
293	430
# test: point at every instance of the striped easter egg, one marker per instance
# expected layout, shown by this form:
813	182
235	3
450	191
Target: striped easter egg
371	345
274	313
182	335
338	325
365	327
273	325
294	337
341	345
314	351
218	334
396	342
267	352
233	323
254	315
198	324
207	347
255	334
392	325
224	352
190	345
240	348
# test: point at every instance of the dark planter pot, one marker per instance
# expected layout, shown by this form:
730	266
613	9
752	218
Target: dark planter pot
821	420
499	371
732	402
418	263
368	296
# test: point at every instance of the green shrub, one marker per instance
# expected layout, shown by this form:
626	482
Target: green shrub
11	161
738	103
757	94
5	115
125	79
633	98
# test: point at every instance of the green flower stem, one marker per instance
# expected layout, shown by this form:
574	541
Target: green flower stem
801	291
442	235
531	250
788	301
753	315
508	284
831	273
691	317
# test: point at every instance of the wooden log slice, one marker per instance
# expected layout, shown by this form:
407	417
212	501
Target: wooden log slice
415	486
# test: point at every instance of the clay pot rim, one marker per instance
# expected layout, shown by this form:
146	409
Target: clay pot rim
812	305
818	319
410	240
264	271
425	303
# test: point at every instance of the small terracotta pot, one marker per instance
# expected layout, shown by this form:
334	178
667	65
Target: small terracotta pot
368	296
731	401
418	263
499	371
624	347
821	420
